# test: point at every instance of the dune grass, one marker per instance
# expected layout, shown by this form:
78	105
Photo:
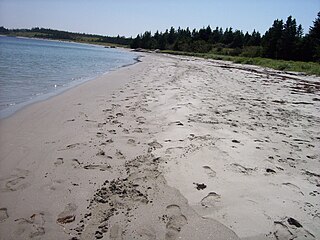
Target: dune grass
310	68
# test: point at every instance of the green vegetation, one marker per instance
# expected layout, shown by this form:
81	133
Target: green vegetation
67	36
282	65
282	47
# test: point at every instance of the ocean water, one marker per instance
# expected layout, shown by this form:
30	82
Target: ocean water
33	70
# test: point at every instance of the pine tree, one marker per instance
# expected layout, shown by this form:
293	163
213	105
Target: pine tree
172	36
271	41
288	42
314	35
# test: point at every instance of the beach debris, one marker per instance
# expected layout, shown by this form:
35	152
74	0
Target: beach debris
235	141
200	186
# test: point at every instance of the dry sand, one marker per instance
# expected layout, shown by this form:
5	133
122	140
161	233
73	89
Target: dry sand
169	148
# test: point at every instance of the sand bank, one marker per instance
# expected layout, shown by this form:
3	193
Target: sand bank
169	148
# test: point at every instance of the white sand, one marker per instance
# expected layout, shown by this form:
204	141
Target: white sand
120	157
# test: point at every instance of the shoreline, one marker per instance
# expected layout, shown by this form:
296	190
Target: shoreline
66	41
10	110
168	148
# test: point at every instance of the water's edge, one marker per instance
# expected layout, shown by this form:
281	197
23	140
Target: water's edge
10	111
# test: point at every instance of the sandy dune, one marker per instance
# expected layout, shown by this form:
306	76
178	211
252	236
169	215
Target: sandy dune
169	148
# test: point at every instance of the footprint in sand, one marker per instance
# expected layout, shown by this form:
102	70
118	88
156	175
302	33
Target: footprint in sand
75	163
155	145
16	184
138	130
115	232
131	141
97	166
112	131
119	114
126	131
210	200
3	214
119	154
68	214
171	150
209	171
293	187
140	120
290	228
17	181
176	221
70	146
58	162
32	227
147	233
236	167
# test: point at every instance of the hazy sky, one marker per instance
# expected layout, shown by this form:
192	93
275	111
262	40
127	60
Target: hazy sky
130	17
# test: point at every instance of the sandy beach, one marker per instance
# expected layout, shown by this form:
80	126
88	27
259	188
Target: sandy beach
169	148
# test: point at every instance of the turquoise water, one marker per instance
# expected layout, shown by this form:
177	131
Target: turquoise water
32	70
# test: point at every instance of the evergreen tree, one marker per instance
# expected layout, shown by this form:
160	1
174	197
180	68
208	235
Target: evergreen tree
272	40
238	39
255	39
136	43
172	36
288	42
162	42
216	36
314	39
281	41
246	39
228	36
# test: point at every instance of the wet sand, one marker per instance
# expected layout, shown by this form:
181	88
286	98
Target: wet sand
169	148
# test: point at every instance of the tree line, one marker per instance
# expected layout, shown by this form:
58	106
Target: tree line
64	35
283	40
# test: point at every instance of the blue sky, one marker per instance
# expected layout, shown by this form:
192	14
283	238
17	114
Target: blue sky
131	17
